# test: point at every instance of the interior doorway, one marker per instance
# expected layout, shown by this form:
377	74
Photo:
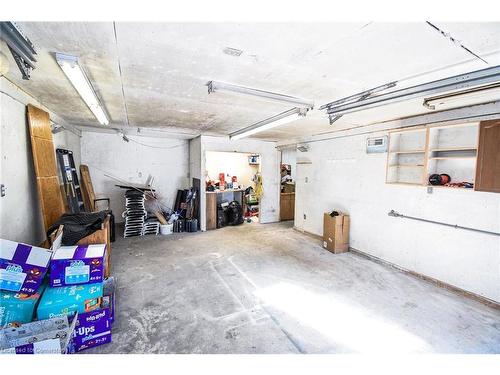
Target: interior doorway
288	177
233	183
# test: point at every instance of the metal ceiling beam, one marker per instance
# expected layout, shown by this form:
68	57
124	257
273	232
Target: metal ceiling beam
359	96
21	48
458	82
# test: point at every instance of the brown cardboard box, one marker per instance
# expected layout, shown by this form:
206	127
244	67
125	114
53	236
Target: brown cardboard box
336	233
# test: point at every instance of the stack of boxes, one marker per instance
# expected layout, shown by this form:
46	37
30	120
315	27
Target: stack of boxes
75	289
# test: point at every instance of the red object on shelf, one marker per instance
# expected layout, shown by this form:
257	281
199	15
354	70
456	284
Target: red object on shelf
234	179
222	179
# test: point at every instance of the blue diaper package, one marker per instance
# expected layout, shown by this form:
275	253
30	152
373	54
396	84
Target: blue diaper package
66	300
18	308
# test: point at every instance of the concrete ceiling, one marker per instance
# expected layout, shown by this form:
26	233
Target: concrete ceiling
165	68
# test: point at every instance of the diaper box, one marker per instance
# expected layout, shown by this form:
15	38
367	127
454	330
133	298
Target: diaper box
49	336
22	267
67	300
108	297
79	264
17	308
92	329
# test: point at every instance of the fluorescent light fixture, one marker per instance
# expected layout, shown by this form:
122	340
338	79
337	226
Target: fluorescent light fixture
477	95
70	66
214	86
272	122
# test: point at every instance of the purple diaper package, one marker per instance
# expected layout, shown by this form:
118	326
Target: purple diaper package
79	264
22	267
92	329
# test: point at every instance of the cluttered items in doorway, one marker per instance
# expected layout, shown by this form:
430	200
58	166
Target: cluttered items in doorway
287	183
229	213
251	204
336	232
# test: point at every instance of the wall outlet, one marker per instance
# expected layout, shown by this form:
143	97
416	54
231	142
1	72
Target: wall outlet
429	190
305	217
2	190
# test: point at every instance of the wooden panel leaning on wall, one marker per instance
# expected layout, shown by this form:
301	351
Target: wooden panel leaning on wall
42	146
87	188
488	157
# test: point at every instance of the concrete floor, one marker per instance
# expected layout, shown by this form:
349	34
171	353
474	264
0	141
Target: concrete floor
269	289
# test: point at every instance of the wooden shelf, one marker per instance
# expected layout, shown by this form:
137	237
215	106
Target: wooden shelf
454	149
405	183
407	165
449	187
408	152
451	157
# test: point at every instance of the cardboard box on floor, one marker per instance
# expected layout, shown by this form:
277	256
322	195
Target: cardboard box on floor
336	233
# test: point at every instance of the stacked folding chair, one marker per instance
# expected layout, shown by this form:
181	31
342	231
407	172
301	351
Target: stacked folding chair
151	226
135	213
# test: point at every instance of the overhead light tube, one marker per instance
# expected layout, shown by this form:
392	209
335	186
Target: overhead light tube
70	66
272	122
214	86
476	95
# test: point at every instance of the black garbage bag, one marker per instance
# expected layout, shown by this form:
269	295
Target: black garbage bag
234	213
78	226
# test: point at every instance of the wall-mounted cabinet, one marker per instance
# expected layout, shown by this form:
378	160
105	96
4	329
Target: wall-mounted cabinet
460	151
406	157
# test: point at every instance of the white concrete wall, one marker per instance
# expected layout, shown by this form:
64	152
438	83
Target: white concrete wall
20	213
270	161
340	175
166	159
195	159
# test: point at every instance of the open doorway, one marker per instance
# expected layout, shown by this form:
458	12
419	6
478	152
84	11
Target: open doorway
233	188
288	176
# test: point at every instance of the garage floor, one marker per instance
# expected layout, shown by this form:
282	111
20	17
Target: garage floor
269	289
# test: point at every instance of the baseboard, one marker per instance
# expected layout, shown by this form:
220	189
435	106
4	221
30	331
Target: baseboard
439	283
309	234
476	297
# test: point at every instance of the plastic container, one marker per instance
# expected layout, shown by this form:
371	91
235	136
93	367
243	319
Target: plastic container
166	229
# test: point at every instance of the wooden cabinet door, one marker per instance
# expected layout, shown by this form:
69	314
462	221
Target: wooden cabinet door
488	157
211	211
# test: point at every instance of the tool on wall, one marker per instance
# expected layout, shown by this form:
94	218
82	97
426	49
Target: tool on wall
70	180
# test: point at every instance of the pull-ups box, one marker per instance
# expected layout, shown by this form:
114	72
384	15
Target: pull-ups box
79	264
22	267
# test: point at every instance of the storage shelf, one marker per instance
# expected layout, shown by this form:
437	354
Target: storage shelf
451	157
407	165
454	149
405	183
408	152
450	187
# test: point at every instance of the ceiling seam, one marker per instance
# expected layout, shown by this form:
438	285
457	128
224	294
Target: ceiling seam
120	71
455	41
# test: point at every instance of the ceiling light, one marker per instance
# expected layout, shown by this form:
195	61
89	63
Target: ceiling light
477	95
232	51
70	66
272	122
214	86
57	129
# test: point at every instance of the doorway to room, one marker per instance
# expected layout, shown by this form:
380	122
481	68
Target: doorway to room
233	188
288	177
